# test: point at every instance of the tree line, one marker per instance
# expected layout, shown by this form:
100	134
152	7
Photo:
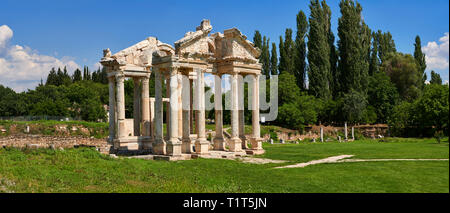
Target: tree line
356	77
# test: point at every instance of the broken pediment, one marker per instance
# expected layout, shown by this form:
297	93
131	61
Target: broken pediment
140	54
196	44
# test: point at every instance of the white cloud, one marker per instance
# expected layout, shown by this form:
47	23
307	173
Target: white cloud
437	55
21	67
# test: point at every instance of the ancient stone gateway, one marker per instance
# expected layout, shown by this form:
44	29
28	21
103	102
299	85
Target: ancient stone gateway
180	69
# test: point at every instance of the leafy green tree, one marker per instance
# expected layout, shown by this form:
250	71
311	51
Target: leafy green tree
318	52
52	77
382	95
403	72
77	76
274	60
286	53
354	107
432	109
265	57
420	59
353	47
386	45
257	39
435	78
288	91
300	50
374	63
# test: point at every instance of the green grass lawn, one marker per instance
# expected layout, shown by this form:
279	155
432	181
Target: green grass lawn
85	170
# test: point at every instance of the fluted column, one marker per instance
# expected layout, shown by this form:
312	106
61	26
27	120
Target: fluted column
145	107
159	145
120	106
219	142
112	111
235	142
241	112
187	144
201	144
136	107
173	144
256	139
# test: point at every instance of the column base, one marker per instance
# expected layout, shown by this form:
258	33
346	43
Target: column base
244	142
159	147
219	144
235	145
187	146
201	146
256	143
173	147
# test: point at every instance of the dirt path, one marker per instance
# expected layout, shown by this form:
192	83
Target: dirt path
341	159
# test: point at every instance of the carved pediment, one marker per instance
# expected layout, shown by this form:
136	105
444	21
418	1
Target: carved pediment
196	44
139	54
233	45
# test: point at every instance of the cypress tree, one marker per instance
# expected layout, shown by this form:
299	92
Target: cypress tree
265	57
435	78
274	60
420	58
318	53
76	76
282	64
300	50
257	39
289	51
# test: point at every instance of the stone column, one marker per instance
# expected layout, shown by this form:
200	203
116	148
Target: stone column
120	106
159	145
152	118
136	107
167	107
145	107
219	142
321	134
201	144
345	131
112	111
256	140
191	112
241	112
235	142
187	145
173	144
353	133
180	106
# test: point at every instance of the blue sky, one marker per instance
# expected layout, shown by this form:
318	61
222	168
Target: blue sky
73	33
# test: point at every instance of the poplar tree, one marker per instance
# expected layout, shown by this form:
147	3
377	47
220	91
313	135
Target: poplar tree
300	50
420	58
77	76
274	60
318	52
282	64
386	45
374	63
353	47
